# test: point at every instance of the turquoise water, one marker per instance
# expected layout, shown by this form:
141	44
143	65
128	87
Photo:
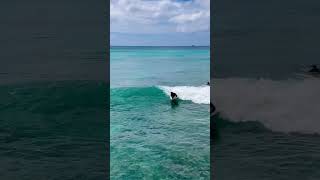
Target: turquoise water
151	66
150	137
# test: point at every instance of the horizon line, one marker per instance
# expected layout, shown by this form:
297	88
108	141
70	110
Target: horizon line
160	46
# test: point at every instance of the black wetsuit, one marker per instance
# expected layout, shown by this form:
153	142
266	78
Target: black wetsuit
173	95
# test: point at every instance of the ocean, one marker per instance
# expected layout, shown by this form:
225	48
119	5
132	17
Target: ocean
54	90
268	121
53	130
150	137
266	129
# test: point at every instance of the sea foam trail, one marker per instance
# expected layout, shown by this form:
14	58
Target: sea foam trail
199	95
286	106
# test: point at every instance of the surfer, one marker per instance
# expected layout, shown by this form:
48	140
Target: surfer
174	98
314	69
208	83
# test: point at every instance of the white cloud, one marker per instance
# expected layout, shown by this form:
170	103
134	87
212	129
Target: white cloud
159	16
197	21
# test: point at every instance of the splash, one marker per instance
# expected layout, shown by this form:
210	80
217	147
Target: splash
286	106
199	95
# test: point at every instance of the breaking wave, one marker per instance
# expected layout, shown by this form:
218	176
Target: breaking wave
286	106
199	95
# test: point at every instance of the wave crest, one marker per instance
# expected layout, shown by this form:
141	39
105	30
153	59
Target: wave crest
199	95
286	106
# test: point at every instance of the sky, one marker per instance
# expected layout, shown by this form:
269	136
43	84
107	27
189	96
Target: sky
160	22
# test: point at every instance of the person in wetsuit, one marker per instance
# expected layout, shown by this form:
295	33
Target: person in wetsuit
174	99
173	95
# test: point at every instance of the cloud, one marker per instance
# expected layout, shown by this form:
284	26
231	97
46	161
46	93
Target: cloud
159	16
198	21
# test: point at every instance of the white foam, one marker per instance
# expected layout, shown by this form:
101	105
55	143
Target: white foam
199	95
286	106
